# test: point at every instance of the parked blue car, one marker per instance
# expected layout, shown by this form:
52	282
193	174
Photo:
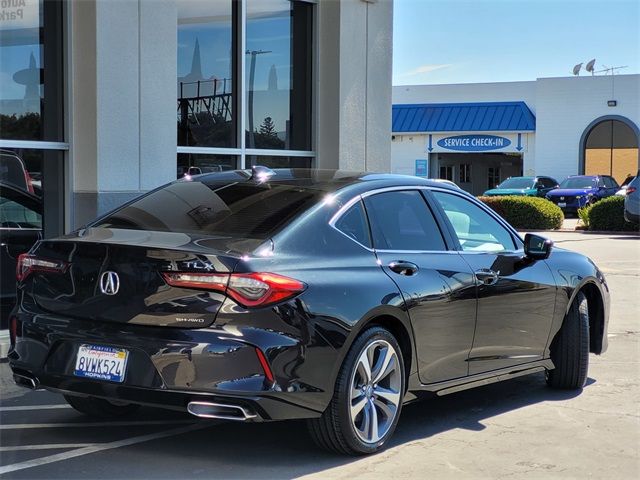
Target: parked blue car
581	190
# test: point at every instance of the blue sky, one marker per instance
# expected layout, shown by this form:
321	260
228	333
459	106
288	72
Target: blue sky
456	41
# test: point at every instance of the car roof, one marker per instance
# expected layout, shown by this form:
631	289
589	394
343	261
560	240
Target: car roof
319	179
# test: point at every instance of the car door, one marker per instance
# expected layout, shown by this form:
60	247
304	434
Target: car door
516	296
437	284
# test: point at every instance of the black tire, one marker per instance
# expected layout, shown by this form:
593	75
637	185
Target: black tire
334	430
570	348
97	407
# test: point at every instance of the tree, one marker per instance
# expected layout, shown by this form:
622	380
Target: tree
268	128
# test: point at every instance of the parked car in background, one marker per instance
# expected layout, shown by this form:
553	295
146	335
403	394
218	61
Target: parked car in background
579	191
20	229
623	187
632	200
329	296
529	186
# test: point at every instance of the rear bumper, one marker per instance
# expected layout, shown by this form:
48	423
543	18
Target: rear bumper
169	367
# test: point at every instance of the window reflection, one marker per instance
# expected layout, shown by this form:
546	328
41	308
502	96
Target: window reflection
196	164
278	74
205	88
21	71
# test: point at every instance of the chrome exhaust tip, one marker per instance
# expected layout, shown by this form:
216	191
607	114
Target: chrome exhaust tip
220	411
26	381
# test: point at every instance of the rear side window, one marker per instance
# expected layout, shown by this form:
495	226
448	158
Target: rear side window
403	221
354	225
228	209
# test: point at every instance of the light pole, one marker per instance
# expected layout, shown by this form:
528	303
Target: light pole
252	74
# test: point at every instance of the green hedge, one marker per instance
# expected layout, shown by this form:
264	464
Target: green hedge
530	213
607	215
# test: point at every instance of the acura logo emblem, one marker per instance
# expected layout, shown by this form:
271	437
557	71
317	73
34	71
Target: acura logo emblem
109	283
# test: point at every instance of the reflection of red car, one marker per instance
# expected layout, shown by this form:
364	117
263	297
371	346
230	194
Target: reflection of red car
13	171
20	228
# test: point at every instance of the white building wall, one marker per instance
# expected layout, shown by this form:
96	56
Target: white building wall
405	150
565	108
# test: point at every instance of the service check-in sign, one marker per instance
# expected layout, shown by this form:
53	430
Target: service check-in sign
508	142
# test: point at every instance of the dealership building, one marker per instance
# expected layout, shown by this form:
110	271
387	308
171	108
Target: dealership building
479	134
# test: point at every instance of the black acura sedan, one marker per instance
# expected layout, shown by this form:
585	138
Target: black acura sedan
300	294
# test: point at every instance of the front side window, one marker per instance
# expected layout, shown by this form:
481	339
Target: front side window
354	225
475	228
403	221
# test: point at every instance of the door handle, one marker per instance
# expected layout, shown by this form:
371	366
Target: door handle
402	267
487	276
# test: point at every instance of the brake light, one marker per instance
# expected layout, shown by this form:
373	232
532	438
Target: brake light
248	289
630	190
207	281
30	263
27	178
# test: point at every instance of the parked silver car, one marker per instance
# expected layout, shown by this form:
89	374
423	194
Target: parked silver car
632	201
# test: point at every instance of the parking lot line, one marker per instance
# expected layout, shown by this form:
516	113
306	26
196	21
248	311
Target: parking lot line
36	462
21	426
50	446
33	407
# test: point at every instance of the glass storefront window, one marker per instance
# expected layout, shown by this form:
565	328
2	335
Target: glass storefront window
279	162
206	65
196	163
21	77
278	74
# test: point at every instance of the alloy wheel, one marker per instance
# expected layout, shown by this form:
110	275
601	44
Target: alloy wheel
375	391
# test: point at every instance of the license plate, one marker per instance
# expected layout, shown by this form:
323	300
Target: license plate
101	363
562	204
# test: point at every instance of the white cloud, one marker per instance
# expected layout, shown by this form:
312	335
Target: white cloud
424	69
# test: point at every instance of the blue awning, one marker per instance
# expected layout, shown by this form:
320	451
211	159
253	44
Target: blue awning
462	117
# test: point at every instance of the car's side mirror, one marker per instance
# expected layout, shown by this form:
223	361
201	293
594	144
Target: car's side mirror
537	247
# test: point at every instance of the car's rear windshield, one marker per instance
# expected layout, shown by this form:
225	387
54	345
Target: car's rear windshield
578	182
243	209
517	182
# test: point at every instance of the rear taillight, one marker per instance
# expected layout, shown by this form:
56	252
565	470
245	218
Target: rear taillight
248	289
630	190
30	263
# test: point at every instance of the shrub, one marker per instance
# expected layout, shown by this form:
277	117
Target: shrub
583	215
531	213
608	215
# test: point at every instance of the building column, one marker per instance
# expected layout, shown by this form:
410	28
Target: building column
123	137
354	85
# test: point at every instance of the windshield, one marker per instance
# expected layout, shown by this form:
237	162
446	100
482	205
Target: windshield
241	209
578	182
517	182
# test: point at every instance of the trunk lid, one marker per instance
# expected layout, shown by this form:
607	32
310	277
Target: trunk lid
138	293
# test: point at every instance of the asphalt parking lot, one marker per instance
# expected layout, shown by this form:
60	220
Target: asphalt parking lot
514	429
